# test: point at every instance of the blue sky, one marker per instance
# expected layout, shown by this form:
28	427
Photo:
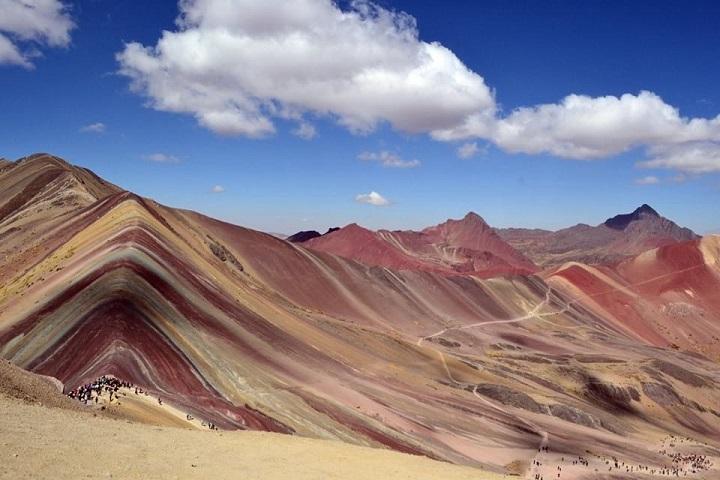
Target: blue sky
526	53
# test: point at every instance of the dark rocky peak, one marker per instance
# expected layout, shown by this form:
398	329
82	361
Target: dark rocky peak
620	222
303	236
306	235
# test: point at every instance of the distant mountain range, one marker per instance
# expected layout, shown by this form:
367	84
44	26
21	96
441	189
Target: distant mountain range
456	247
471	247
617	238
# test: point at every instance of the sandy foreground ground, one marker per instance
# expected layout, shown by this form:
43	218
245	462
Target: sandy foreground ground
44	434
42	442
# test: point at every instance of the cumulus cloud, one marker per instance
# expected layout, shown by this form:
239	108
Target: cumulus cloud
218	189
162	158
468	150
237	66
649	180
28	24
582	127
692	158
372	198
305	130
98	127
10	55
388	159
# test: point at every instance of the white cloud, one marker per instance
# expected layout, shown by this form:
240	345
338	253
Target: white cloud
238	65
305	130
691	158
162	158
468	150
26	24
649	180
218	189
372	198
583	127
388	159
98	127
10	55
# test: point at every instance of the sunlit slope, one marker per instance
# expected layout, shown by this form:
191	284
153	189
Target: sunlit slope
667	296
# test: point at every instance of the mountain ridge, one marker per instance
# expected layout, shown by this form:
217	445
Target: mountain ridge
617	238
467	246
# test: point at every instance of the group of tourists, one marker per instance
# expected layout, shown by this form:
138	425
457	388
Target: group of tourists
681	465
91	393
693	462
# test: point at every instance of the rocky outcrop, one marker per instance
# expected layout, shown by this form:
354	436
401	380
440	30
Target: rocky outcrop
510	397
679	373
663	395
611	397
223	254
574	415
303	236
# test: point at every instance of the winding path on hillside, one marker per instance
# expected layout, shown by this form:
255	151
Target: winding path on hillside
533	314
544	436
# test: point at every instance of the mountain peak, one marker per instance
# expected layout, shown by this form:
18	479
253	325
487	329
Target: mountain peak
303	236
353	230
45	158
473	217
470	224
472	220
645	208
620	222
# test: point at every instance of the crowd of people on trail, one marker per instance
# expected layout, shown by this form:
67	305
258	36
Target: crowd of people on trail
682	464
91	393
694	462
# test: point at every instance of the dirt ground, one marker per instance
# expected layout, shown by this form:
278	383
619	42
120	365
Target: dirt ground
44	434
44	442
